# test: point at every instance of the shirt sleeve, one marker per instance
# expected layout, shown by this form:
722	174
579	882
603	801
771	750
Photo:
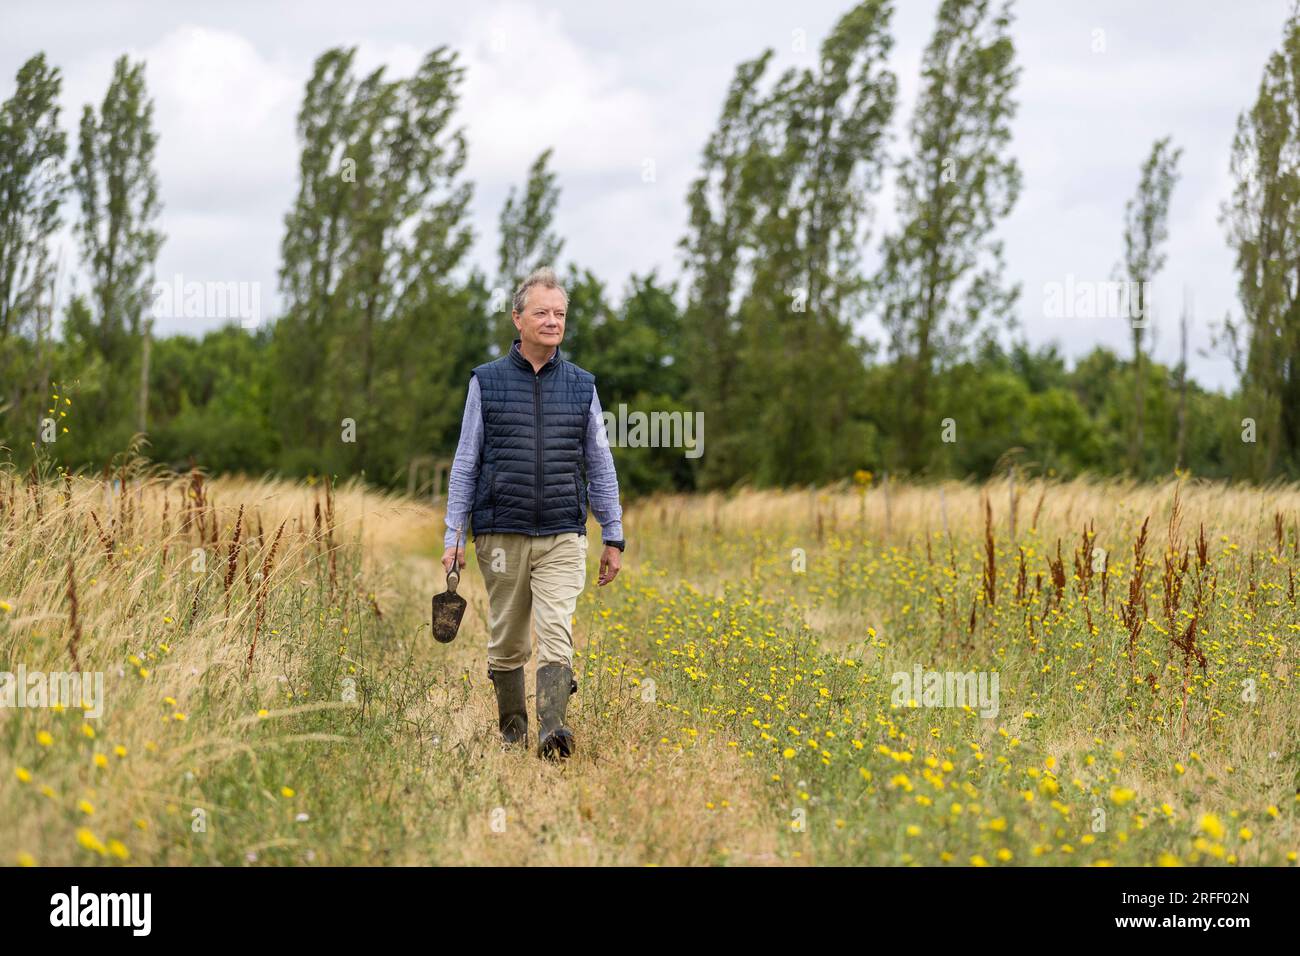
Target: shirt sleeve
602	480
464	468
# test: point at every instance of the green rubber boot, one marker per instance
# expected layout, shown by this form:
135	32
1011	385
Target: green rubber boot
512	707
554	685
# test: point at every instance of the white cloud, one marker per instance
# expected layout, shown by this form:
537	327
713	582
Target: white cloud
609	86
226	119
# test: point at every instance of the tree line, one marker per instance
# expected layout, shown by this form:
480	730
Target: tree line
383	314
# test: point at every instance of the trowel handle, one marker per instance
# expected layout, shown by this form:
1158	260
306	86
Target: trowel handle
453	573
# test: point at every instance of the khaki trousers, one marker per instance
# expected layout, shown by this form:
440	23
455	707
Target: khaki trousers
533	580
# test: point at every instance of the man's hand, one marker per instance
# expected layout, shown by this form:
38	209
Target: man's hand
453	554
611	562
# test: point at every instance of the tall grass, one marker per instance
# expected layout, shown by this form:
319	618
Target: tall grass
285	704
273	695
1136	725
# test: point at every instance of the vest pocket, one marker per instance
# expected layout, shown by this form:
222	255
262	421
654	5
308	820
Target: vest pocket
577	499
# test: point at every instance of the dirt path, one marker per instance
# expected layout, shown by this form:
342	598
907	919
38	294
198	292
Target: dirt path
626	797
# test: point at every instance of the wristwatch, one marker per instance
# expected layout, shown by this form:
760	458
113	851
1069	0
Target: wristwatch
616	544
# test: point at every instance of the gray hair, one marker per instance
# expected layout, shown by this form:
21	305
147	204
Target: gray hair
544	277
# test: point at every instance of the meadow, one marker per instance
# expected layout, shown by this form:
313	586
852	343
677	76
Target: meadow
272	695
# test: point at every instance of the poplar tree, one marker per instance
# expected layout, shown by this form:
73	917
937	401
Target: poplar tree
117	188
722	208
375	317
778	231
1262	219
1146	228
528	239
33	183
941	278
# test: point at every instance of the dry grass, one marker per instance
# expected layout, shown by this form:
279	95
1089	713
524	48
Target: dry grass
900	514
409	771
354	738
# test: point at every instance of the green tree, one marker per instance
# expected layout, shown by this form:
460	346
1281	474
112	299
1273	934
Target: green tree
722	212
1146	228
33	183
802	163
632	351
527	239
634	348
942	272
209	401
117	188
589	309
374	320
1263	224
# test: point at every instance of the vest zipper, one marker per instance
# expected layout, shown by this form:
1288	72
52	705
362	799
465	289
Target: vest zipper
537	438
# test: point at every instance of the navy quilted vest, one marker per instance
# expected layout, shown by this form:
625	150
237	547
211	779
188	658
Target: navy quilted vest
532	477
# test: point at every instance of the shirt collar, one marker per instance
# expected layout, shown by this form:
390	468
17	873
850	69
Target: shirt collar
518	358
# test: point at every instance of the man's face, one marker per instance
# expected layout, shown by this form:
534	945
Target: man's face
541	324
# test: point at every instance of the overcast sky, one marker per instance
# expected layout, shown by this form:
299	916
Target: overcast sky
612	85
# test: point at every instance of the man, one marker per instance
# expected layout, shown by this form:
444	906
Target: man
532	453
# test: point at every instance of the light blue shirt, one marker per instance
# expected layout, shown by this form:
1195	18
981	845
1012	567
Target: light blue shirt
602	481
